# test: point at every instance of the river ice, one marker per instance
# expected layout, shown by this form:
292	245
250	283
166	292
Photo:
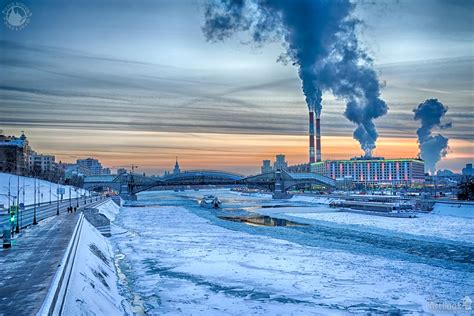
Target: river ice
428	225
180	258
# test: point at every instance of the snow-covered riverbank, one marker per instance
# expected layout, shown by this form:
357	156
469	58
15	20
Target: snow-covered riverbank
93	286
181	259
44	188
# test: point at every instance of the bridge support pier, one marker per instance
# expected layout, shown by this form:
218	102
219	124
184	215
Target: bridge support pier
279	192
281	195
129	197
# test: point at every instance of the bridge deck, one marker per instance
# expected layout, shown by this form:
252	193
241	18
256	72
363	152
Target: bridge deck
208	177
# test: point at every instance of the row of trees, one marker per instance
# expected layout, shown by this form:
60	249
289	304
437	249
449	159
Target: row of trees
54	175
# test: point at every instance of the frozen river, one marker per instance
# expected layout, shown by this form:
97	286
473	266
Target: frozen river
179	258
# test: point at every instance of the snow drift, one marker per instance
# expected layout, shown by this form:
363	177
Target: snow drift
93	287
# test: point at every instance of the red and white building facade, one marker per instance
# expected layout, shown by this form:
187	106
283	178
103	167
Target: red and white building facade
374	171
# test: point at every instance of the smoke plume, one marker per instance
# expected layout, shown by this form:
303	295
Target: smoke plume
432	147
319	37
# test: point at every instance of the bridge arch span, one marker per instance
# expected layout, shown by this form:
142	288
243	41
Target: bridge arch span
193	177
208	174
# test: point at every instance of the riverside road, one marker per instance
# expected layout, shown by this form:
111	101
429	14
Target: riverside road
43	211
29	266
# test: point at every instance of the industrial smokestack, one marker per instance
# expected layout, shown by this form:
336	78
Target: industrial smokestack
318	136
311	136
321	40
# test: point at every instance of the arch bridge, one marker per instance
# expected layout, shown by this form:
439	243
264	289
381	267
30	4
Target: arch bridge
278	182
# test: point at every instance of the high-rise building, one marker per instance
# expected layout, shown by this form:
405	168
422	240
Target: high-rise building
280	163
93	166
39	163
374	171
14	152
468	170
266	166
176	169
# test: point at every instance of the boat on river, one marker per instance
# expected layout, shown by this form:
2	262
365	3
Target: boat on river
403	210
210	201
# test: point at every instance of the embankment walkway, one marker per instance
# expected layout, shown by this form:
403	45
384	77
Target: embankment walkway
28	268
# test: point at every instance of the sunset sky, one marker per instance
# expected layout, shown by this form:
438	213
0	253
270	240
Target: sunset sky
136	82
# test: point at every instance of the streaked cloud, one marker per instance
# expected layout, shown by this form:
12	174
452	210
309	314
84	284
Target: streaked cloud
72	77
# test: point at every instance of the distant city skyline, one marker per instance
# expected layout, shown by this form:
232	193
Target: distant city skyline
139	83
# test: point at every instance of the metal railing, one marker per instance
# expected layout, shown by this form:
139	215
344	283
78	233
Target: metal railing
56	297
54	302
25	217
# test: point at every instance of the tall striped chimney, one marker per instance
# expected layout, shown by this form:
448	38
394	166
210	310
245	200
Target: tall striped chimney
318	136
311	136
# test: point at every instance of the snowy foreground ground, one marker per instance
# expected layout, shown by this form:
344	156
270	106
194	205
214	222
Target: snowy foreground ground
43	187
177	258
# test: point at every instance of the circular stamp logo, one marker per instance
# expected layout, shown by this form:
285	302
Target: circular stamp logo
16	16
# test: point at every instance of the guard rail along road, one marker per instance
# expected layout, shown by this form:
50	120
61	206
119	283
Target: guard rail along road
43	211
54	302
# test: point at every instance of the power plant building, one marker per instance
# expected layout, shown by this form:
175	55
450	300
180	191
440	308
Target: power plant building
374	171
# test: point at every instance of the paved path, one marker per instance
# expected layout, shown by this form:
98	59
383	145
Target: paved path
27	269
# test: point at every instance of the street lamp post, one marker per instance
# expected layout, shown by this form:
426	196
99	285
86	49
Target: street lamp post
24	186
9	193
50	192
17	229
24	202
13	230
70	201
57	199
35	222
77	197
40	195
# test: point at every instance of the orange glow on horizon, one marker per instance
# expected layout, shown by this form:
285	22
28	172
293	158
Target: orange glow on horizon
156	151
